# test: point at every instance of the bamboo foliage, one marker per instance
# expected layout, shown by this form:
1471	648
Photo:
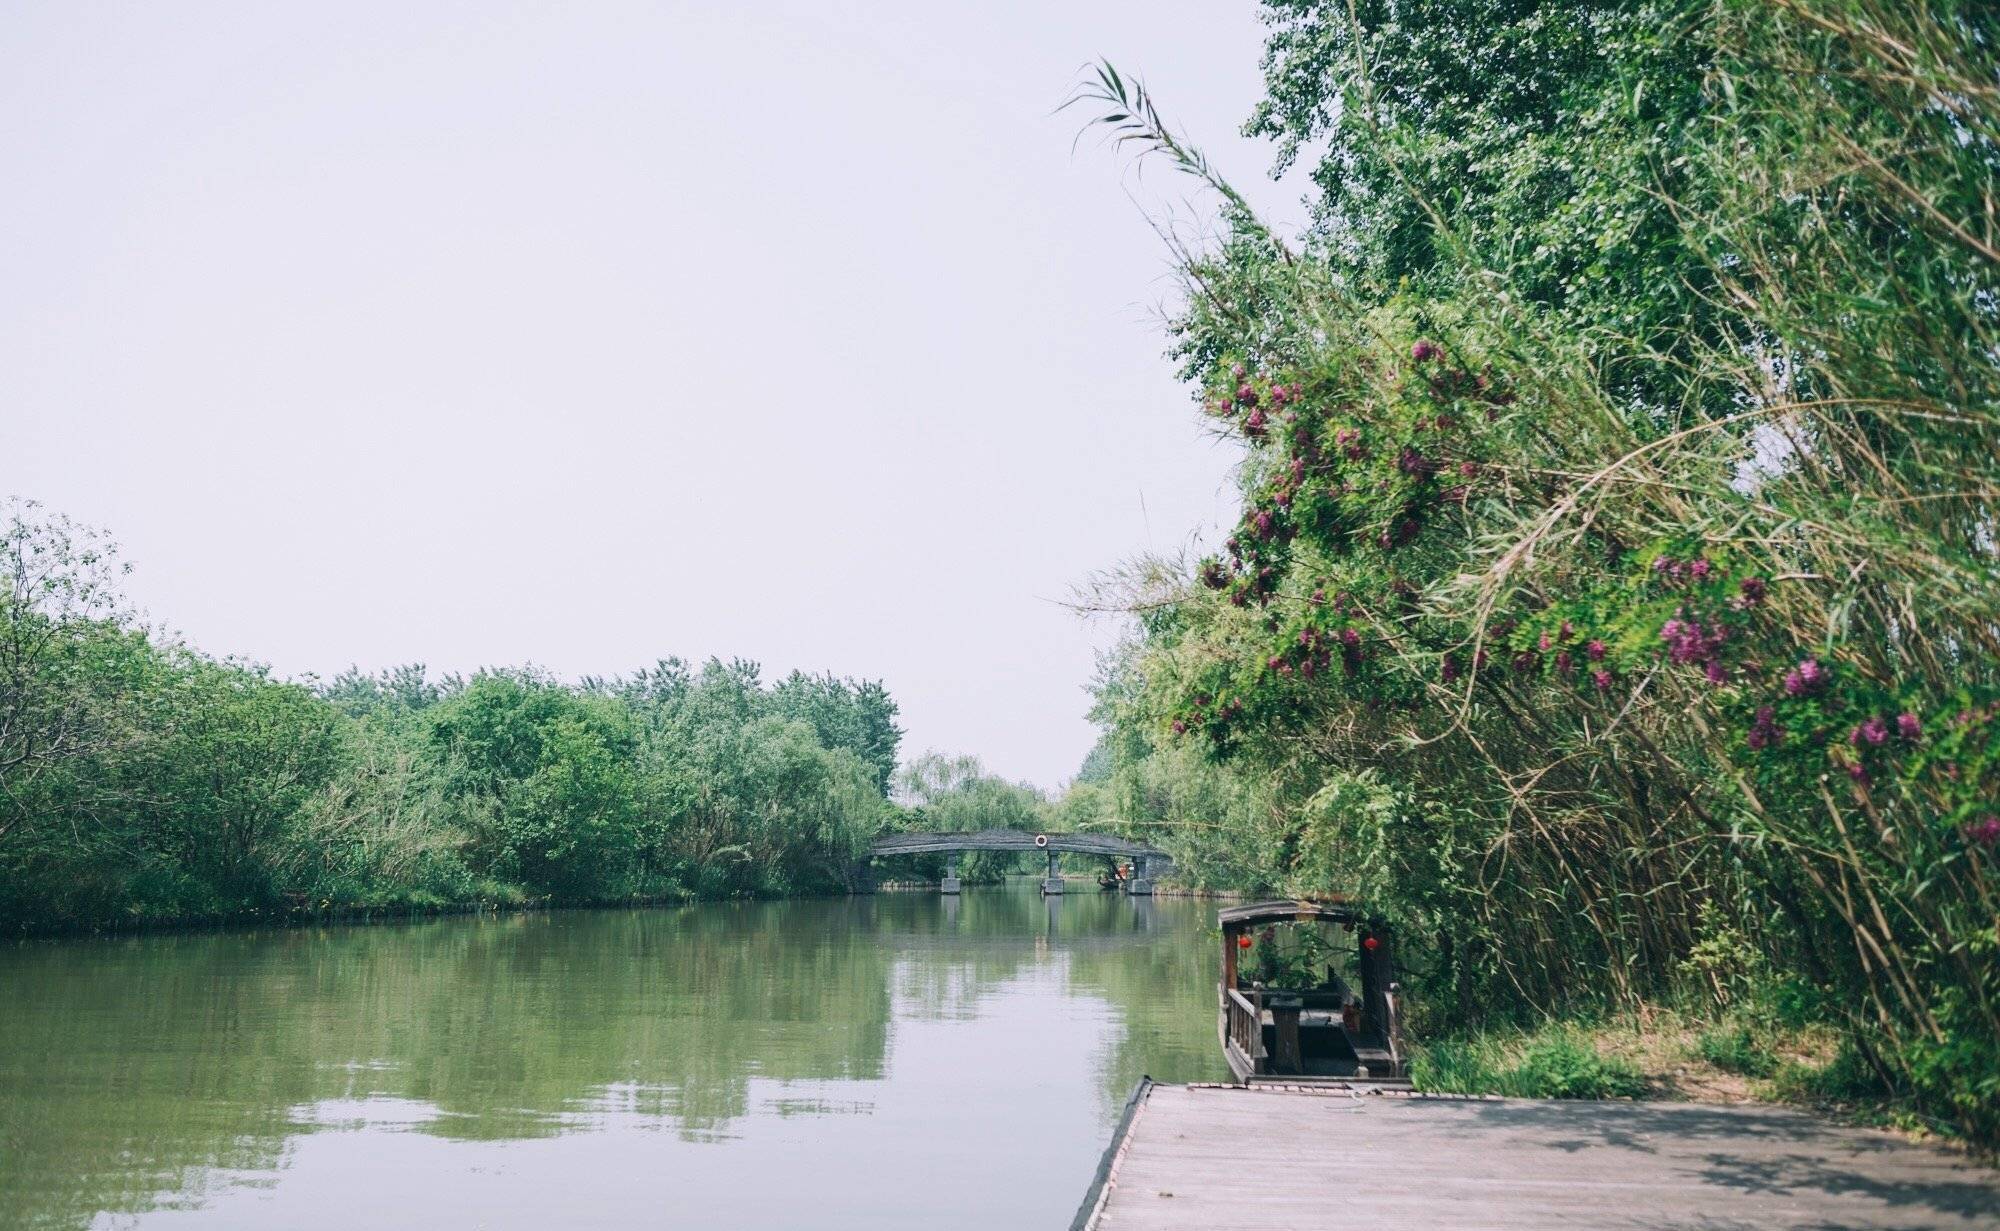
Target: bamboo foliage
1630	632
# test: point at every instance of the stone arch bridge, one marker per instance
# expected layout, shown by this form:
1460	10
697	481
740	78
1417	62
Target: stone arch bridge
1147	861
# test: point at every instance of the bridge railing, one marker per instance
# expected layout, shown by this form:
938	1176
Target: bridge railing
925	842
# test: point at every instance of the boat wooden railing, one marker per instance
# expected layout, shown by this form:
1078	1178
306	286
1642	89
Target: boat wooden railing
1245	1027
1392	1028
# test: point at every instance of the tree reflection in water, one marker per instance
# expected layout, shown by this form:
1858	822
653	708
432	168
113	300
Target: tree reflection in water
162	1073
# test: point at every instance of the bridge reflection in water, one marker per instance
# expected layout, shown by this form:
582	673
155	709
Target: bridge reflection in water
1146	862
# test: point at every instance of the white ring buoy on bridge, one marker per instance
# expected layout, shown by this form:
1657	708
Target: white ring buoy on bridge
1041	839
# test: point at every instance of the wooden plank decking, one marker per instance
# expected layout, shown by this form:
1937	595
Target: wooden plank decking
1217	1158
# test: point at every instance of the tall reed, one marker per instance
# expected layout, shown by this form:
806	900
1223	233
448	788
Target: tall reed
1647	644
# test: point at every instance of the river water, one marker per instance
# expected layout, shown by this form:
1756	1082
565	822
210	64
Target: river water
900	1060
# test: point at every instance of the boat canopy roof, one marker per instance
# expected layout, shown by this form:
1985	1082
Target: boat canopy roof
1255	914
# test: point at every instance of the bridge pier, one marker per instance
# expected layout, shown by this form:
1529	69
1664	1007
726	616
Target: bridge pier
1054	883
1141	884
949	884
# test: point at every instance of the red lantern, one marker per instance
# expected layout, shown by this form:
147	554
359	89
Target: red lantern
1243	941
1370	943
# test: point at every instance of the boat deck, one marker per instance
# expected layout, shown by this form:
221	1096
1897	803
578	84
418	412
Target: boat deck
1268	1157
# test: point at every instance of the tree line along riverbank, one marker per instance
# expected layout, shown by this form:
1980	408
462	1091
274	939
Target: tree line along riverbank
143	782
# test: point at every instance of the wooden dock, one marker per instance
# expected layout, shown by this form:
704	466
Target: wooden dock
1267	1158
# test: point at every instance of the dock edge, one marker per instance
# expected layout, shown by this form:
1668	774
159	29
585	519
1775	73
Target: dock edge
1093	1197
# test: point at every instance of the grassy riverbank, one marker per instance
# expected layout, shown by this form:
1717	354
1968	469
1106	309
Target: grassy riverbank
1677	1056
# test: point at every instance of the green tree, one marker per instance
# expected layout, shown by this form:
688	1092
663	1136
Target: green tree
859	717
65	662
546	776
230	758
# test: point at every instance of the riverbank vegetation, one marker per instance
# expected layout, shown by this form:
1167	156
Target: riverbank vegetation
1615	604
142	781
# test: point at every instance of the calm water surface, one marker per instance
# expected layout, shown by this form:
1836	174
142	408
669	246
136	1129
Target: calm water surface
902	1060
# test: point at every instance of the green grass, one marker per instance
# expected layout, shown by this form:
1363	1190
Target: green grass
1735	1048
1557	1062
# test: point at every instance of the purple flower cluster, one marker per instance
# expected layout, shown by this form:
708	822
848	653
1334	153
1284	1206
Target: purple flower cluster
1805	679
1870	733
1260	587
1764	730
1874	731
1692	643
1676	572
1983	832
1398	534
1425	351
1314	653
1195	716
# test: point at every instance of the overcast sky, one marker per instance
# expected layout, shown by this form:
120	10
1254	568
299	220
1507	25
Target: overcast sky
585	334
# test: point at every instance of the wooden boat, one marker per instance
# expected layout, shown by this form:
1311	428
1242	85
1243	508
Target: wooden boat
1312	1025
